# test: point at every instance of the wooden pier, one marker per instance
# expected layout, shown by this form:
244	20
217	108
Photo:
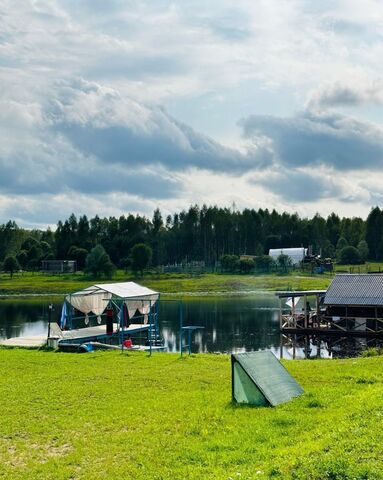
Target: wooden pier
80	335
351	307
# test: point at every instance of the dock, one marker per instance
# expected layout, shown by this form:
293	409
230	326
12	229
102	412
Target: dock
80	335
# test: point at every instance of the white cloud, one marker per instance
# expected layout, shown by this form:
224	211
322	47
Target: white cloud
82	83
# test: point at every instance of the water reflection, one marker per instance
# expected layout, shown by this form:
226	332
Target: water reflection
231	324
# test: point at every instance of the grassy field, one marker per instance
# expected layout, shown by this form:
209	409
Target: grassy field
37	283
214	283
111	415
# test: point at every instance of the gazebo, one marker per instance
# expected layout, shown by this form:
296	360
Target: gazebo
102	311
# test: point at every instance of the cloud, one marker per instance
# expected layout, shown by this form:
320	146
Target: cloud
300	186
340	94
101	123
315	139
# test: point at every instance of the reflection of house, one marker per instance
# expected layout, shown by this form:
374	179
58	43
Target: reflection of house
296	254
59	266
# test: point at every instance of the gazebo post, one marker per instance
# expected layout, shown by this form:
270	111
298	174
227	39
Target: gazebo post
150	328
181	325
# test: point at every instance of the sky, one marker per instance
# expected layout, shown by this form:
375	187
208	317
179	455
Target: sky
122	106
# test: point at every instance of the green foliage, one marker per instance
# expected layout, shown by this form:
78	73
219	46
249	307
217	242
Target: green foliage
341	243
98	263
284	263
11	265
349	256
22	258
363	250
181	422
374	233
78	254
229	263
328	250
264	263
246	265
141	257
202	234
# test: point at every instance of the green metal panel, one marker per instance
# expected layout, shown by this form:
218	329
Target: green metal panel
245	390
269	376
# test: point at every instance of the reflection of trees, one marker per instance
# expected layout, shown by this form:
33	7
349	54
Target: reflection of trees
230	324
15	314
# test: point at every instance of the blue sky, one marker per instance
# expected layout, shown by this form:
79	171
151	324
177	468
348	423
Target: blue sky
125	106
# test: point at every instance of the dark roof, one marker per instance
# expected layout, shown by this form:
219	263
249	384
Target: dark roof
270	376
355	289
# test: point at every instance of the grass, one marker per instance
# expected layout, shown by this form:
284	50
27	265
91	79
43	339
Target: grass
174	283
38	283
111	415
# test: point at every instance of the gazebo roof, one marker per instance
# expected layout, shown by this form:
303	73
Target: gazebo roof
121	290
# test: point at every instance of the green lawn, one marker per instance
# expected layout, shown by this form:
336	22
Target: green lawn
179	284
111	415
37	283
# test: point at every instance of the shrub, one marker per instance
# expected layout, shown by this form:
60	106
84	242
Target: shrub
349	255
264	263
246	265
229	263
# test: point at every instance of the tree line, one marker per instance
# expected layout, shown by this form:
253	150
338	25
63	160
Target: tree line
202	234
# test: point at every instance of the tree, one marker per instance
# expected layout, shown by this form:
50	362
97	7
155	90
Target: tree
98	262
141	257
11	265
284	262
229	263
349	256
341	243
374	233
22	258
78	254
363	250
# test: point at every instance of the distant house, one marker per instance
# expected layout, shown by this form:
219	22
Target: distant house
296	254
59	266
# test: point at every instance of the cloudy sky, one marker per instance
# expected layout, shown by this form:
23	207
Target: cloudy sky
110	107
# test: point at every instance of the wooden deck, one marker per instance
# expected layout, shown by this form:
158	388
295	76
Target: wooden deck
77	335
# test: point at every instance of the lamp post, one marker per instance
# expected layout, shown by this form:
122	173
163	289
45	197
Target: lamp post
50	309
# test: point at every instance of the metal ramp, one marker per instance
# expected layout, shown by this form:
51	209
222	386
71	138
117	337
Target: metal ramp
258	378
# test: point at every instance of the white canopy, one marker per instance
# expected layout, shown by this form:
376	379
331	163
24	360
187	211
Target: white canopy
296	254
96	298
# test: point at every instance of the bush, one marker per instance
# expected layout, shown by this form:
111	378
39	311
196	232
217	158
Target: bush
229	263
246	265
264	263
349	256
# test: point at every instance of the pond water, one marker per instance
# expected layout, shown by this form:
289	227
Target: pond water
231	324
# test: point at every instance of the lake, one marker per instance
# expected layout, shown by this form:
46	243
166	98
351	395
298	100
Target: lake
231	324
